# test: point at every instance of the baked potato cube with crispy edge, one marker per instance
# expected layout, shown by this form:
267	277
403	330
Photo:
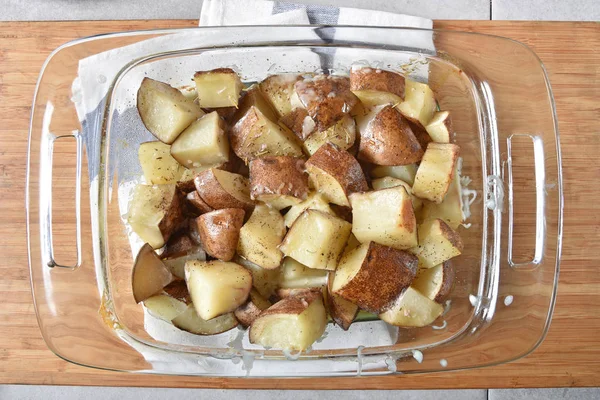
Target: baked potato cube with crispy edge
336	174
299	122
248	312
157	163
150	275
412	310
221	189
384	216
342	134
204	142
404	172
254	136
278	181
264	280
219	87
420	133
377	80
387	139
295	275
278	89
372	276
191	322
389	182
164	110
435	283
155	212
437	243
436	171
450	210
293	323
327	98
260	237
217	287
316	239
314	201
440	127
220	231
342	311
253	97
419	103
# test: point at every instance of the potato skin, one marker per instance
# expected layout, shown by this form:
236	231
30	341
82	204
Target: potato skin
374	288
447	283
378	80
178	290
247	313
174	218
213	194
220	231
281	175
196	202
420	133
178	245
389	140
296	121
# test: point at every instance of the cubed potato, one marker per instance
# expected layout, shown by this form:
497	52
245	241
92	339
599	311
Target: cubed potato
176	264
450	210
419	103
204	142
327	98
342	311
260	237
412	309
220	231
336	174
278	181
295	275
372	276
420	133
191	322
387	139
314	201
179	244
265	281
436	171
164	307
178	290
299	122
164	110
155	212
389	182
217	287
278	89
316	239
440	127
196	203
221	189
292	324
437	243
377	80
384	216
157	163
404	172
248	312
219	87
150	275
253	97
369	99
254	136
342	134
435	283
282	293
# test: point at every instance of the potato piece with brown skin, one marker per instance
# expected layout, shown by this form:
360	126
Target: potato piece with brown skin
178	245
278	181
278	89
220	231
191	322
196	202
217	88
342	134
282	293
326	98
299	122
437	243
372	276
260	237
226	113
247	313
149	275
440	127
178	290
420	133
253	97
419	103
412	309
221	189
336	174
436	283
376	79
342	311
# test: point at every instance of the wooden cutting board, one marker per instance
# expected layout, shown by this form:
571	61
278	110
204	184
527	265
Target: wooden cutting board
570	355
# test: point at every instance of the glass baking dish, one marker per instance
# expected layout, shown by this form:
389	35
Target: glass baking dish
83	163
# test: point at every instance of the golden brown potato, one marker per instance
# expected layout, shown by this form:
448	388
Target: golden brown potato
419	103
435	283
342	134
157	163
412	309
221	189
247	313
377	80
191	322
253	97
372	276
260	237
278	181
440	127
164	110
437	243
436	171
326	98
219	87
386	139
278	89
299	122
336	174
220	231
149	275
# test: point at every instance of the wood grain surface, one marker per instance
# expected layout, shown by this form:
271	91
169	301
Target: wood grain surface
570	355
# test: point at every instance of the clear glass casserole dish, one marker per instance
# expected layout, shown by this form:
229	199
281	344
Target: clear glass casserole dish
84	126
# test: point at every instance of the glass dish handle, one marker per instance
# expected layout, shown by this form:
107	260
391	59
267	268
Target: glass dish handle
540	198
45	199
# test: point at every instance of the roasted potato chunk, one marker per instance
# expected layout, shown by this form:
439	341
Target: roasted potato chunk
437	243
440	127
419	103
450	210
220	231
299	122
436	171
403	172
435	283
376	80
295	275
247	313
342	311
264	280
157	163
191	322
278	181
221	189
150	275
389	182
278	89
253	97
342	134
314	201
219	87
260	237
412	309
